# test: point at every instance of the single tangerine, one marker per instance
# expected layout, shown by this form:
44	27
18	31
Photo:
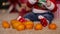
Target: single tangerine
29	24
20	27
5	24
13	21
52	26
38	27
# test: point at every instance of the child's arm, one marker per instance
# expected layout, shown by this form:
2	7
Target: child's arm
50	5
19	8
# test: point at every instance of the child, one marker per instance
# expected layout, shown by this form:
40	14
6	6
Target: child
41	11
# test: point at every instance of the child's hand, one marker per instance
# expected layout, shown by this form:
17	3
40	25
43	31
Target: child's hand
27	8
48	3
22	7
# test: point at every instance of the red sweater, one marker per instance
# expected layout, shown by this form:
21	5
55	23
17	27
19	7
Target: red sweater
29	4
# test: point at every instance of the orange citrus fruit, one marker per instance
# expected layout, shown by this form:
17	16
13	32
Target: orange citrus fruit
15	23
29	24
5	24
38	27
20	27
52	26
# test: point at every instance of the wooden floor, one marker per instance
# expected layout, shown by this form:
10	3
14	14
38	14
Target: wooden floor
8	17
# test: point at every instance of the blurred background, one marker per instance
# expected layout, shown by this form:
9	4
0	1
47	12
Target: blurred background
4	4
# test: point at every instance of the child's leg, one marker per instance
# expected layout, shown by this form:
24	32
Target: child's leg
49	17
31	16
46	18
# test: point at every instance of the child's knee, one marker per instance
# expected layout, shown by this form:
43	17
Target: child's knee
49	17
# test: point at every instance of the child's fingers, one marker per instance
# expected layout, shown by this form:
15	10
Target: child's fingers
48	3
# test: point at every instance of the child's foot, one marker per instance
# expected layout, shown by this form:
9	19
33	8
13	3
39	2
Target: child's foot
43	21
21	19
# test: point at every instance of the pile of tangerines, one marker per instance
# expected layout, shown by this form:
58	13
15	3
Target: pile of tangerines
25	25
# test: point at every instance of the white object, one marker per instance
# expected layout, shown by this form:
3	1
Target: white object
40	17
19	17
51	7
39	10
32	1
